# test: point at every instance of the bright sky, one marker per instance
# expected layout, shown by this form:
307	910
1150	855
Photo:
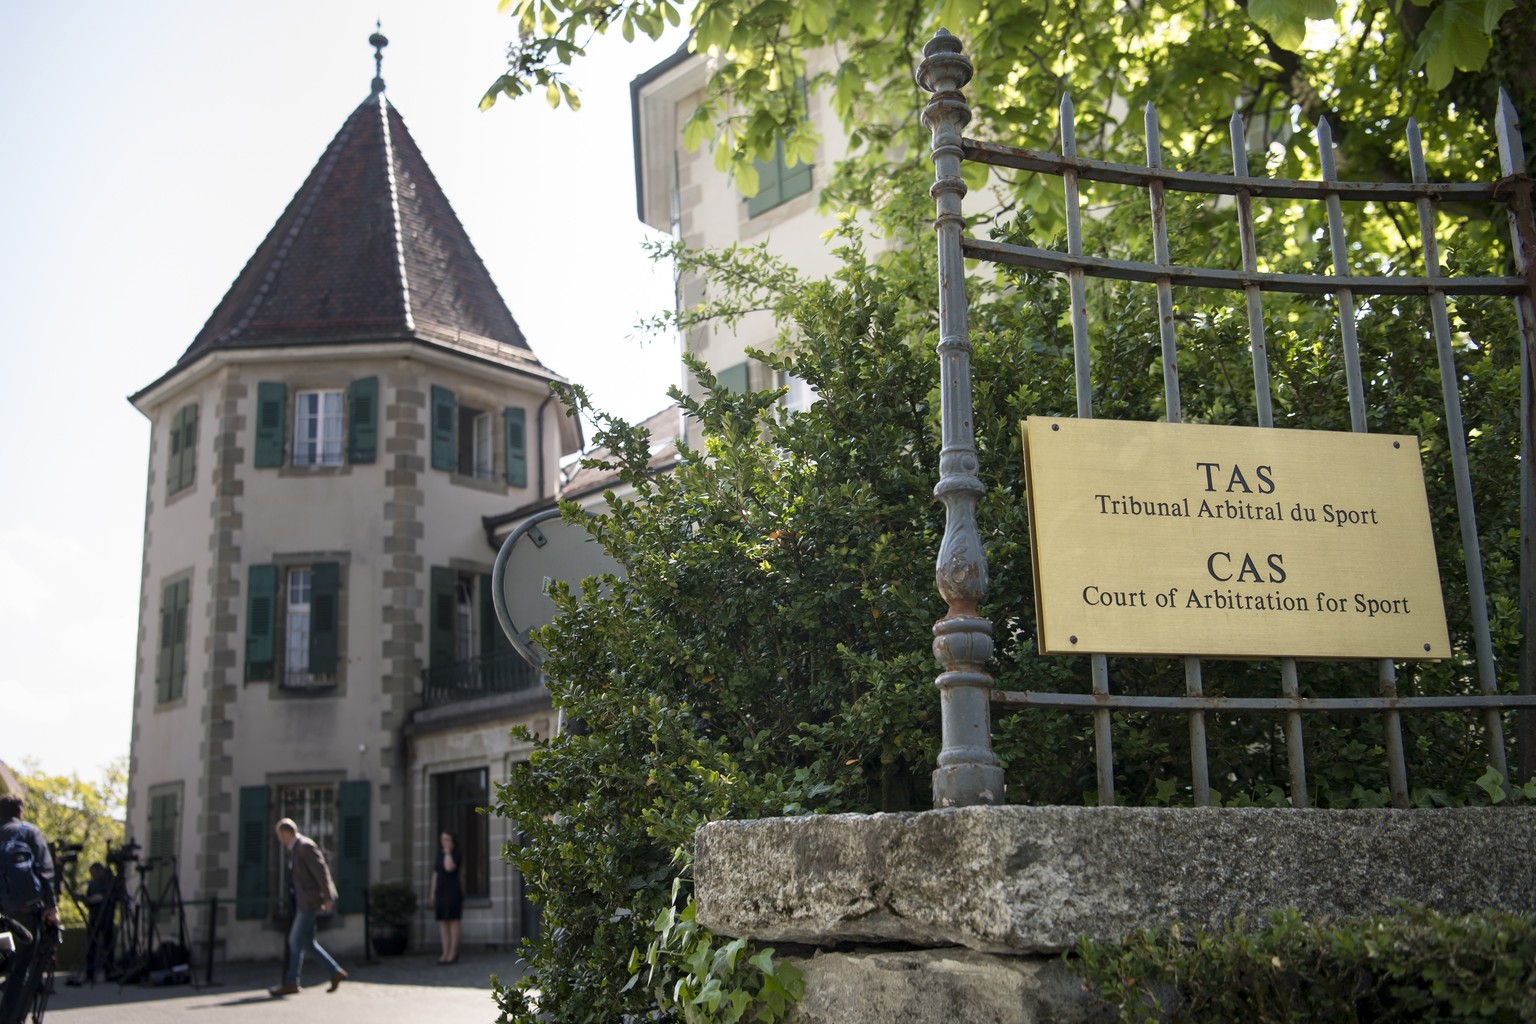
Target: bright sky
147	149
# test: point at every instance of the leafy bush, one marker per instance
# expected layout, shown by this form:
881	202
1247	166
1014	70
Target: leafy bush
1415	965
712	983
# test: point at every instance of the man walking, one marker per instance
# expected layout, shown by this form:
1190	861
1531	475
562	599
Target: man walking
312	892
26	896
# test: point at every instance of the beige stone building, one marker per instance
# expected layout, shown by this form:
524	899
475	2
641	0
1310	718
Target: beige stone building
316	635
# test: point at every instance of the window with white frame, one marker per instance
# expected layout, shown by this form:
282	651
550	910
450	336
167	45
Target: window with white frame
464	619
296	627
475	454
313	810
318	436
294	619
482	453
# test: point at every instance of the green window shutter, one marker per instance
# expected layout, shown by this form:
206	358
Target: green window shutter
493	639
733	378
178	672
167	642
163	822
796	181
271	415
181	467
363	420
260	622
173	463
445	416
252	844
189	446
445	583
324	607
769	190
351	846
516	420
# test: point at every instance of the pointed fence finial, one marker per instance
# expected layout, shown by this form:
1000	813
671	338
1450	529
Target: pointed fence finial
1068	126
378	42
1239	132
1325	149
1507	127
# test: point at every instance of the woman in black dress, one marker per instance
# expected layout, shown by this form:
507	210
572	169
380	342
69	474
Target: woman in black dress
447	895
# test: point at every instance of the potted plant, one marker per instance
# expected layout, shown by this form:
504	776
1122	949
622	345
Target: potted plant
390	908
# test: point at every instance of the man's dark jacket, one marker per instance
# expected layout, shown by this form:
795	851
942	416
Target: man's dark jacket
312	884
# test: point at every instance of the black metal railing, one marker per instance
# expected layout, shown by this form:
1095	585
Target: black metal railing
502	672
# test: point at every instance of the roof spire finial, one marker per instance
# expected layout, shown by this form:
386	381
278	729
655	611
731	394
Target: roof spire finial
378	42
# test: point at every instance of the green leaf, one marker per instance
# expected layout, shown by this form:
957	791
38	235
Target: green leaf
712	28
747	179
1286	20
697	130
817	16
1492	783
974	175
1454	38
1493	10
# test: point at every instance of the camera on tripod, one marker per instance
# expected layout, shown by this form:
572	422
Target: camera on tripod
128	852
65	854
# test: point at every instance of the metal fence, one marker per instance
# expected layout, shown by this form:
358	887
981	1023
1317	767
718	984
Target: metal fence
968	771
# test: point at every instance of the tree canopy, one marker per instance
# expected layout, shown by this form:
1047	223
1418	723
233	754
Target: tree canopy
80	816
1366	64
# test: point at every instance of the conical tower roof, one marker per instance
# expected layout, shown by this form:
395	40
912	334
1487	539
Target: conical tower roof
368	250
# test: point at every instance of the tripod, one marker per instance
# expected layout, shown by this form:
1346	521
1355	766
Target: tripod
97	911
137	941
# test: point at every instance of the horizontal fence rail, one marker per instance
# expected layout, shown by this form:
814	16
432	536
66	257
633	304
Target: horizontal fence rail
967	768
1234	280
1126	702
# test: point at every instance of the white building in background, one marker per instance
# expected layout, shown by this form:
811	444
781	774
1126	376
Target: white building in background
681	192
316	634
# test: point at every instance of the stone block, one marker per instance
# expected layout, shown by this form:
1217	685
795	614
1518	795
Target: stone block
954	986
1035	879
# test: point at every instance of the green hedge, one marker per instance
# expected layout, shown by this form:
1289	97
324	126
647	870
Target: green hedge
1414	965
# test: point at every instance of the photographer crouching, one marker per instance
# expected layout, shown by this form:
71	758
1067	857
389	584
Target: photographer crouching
27	896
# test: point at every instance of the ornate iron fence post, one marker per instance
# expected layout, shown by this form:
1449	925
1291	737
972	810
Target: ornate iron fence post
967	771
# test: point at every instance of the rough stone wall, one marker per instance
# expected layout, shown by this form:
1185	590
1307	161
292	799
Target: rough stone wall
1035	879
973	905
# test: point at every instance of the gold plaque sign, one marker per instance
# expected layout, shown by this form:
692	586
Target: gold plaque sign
1167	538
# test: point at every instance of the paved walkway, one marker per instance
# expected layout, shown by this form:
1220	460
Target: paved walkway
394	990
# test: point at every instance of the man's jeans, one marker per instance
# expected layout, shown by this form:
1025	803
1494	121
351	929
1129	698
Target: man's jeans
301	940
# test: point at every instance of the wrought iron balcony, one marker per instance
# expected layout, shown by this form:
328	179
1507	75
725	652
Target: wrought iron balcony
502	672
